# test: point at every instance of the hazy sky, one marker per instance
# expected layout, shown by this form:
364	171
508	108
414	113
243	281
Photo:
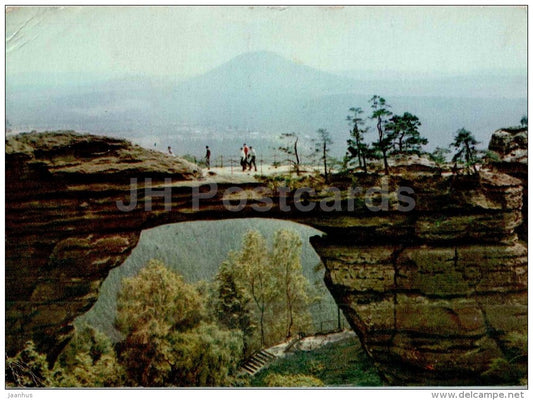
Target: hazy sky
186	41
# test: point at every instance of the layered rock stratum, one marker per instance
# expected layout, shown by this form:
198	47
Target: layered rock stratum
435	293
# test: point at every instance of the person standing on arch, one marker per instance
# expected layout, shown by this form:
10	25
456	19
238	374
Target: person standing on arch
207	157
246	151
243	160
252	159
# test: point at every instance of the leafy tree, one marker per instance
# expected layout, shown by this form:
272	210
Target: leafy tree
204	356
273	280
233	303
166	341
466	152
356	146
289	276
381	113
89	360
255	270
28	368
523	121
290	148
404	135
321	146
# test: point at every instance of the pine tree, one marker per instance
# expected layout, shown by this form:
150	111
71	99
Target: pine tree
466	152
381	114
290	148
356	145
233	303
322	146
404	135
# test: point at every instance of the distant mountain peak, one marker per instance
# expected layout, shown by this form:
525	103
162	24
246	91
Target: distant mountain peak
259	58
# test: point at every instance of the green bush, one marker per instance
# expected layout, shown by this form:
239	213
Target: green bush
89	360
28	368
296	380
168	341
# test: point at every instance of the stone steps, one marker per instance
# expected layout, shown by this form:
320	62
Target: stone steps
257	362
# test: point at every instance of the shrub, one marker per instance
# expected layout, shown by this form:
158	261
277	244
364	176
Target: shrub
297	380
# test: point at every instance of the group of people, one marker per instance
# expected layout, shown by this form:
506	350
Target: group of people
248	158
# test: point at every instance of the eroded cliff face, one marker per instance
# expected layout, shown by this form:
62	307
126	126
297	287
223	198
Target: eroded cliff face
439	294
435	294
510	146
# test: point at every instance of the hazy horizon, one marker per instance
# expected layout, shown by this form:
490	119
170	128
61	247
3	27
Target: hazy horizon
187	75
186	41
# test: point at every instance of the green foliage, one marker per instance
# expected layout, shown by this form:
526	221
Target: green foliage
166	342
439	155
233	303
357	148
466	153
290	148
517	345
190	158
381	113
204	356
340	363
292	380
28	368
156	301
490	156
289	278
265	288
187	248
89	360
322	147
511	370
403	135
502	372
523	120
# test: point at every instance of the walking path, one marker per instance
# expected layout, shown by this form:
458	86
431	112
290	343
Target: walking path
264	357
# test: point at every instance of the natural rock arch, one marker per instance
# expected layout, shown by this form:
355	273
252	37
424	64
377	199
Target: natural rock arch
433	293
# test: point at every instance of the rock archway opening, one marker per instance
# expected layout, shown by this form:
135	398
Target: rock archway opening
196	249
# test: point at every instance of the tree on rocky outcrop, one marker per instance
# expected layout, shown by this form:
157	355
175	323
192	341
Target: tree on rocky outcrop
357	148
322	147
290	148
466	153
381	113
439	157
404	136
523	121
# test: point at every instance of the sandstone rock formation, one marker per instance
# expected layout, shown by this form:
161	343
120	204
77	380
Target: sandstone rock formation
434	294
511	147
